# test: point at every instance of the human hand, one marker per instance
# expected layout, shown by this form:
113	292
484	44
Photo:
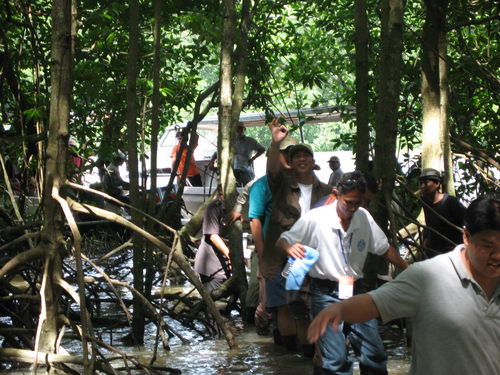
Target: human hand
332	314
228	261
278	132
296	251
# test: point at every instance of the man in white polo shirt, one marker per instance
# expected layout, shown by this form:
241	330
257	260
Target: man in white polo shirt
453	300
344	234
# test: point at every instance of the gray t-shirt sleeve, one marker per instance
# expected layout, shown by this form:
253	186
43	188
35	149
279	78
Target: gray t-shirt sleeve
401	297
211	219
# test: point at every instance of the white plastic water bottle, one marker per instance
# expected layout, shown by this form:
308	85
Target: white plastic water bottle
288	266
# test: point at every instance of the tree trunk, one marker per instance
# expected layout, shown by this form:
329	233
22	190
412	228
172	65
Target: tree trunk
432	145
388	98
154	140
52	234
228	117
448	186
235	233
387	121
226	130
138	253
362	103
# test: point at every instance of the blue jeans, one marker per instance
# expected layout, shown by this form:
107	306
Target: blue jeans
364	337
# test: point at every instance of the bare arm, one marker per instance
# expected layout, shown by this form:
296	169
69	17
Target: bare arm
357	309
392	255
256	229
220	244
279	133
259	152
295	250
242	199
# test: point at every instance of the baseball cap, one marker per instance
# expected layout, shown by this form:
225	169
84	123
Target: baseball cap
300	147
288	142
285	144
333	158
430	174
121	155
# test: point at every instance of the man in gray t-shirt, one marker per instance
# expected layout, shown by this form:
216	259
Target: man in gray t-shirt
246	150
213	253
453	300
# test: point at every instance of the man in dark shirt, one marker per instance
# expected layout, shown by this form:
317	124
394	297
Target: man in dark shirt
444	214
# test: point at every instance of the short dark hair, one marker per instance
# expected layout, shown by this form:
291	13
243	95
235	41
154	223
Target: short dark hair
483	214
351	181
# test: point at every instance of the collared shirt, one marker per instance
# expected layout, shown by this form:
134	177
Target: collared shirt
342	253
456	329
244	149
286	211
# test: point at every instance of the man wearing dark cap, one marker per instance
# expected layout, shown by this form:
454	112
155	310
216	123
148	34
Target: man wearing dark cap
246	150
444	214
337	172
294	192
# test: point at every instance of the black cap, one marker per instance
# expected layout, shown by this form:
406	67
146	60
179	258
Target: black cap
430	174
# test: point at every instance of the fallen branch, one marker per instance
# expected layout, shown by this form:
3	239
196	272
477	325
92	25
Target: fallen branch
19	228
179	259
21	259
476	151
29	356
18	240
77	240
110	283
150	309
114	251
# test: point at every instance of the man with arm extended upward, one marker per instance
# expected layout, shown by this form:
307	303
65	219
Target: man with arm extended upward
294	192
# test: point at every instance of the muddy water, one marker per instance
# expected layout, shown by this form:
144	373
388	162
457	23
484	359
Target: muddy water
258	355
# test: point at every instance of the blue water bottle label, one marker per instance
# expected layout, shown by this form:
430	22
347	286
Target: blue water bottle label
288	266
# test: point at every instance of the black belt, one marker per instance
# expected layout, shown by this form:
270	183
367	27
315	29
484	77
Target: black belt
332	284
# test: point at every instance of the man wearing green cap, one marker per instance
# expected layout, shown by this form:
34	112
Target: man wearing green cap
294	193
